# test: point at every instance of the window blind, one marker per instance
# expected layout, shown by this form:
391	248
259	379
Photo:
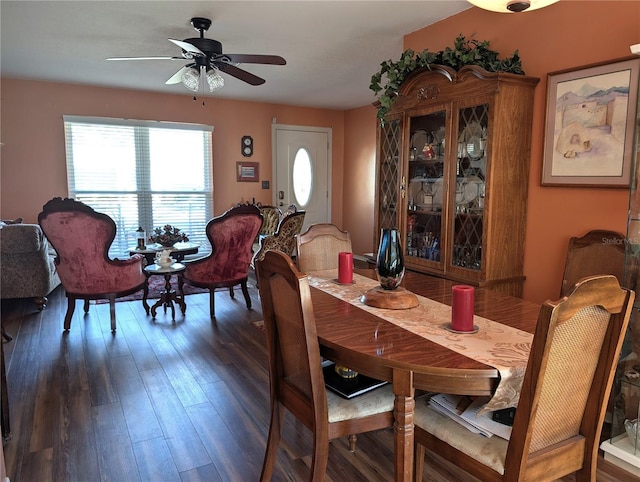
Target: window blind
142	173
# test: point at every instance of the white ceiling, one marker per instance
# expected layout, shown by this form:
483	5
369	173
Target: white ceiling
332	47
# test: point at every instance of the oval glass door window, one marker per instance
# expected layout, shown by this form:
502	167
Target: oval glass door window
302	177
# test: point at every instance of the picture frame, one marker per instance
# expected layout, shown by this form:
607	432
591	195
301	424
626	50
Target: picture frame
589	127
247	171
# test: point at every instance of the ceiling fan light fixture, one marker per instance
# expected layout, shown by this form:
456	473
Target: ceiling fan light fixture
511	6
214	79
191	79
204	55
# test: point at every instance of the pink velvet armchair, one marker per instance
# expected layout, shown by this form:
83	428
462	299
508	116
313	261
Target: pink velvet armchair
231	235
82	237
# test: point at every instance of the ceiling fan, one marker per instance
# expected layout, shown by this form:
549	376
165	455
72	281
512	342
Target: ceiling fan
206	60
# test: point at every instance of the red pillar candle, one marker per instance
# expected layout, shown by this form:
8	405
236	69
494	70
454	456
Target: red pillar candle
345	267
462	308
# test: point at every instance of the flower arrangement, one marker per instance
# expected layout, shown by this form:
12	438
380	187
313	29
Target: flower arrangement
167	236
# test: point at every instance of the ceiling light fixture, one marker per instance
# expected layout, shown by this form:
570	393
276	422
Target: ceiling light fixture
191	79
511	6
214	79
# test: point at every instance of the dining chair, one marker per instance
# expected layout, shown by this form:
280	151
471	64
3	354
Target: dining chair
231	235
284	239
319	245
558	420
81	238
597	252
295	373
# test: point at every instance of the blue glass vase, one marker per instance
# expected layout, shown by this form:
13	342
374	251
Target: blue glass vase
390	262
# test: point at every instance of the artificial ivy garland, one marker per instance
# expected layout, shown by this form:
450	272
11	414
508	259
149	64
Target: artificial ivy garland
464	52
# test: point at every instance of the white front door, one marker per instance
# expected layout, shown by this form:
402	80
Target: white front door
302	170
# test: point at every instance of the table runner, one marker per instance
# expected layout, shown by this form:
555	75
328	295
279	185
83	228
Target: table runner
500	346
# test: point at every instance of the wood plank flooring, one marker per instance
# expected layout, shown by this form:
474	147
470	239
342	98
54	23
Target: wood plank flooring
162	401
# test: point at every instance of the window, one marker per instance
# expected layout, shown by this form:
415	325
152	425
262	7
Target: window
302	177
142	174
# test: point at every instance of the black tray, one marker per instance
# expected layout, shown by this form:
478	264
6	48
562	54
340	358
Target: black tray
348	387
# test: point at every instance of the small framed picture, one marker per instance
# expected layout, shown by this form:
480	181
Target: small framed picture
589	127
247	171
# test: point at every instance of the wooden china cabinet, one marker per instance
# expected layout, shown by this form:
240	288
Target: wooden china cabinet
452	174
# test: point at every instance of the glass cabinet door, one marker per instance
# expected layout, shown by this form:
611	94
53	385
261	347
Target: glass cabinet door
388	175
425	187
471	169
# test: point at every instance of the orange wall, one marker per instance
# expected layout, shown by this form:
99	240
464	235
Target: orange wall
359	175
565	35
33	167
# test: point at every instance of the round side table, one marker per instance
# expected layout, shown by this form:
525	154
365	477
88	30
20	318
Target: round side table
168	295
178	251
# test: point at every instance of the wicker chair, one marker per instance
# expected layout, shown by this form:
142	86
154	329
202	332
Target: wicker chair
558	420
295	373
597	252
318	247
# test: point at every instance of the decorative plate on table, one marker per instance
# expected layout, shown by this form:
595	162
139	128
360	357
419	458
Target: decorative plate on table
165	264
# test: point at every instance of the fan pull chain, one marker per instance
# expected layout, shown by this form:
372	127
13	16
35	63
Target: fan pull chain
195	99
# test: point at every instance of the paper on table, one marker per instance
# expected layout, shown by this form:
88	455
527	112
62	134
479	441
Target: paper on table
455	415
465	411
485	420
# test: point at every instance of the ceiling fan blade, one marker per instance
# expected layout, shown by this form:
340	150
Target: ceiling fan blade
187	46
256	59
238	73
146	58
177	77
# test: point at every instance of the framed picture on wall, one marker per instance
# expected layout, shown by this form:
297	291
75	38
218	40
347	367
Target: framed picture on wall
247	171
590	121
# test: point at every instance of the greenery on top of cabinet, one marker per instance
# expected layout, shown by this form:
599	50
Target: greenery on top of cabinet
464	52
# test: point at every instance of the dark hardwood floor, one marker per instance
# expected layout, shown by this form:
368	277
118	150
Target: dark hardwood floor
162	400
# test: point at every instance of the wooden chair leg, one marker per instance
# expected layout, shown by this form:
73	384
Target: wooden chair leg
352	442
231	293
320	456
418	461
245	292
273	441
588	471
112	312
5	421
212	303
86	306
71	306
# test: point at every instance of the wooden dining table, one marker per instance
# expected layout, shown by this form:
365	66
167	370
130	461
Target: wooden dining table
369	344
